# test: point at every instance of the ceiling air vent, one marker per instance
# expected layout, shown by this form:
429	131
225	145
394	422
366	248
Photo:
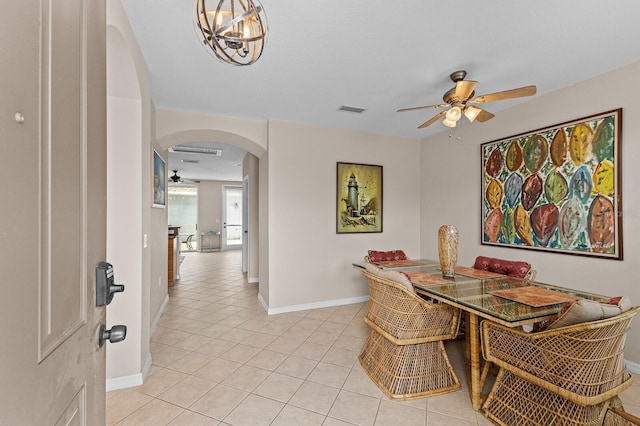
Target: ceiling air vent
196	150
355	110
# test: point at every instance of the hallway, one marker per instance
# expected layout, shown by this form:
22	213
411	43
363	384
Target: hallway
219	359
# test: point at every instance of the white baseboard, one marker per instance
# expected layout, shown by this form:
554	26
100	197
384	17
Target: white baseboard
147	367
131	380
138	378
264	304
154	323
633	367
252	280
314	305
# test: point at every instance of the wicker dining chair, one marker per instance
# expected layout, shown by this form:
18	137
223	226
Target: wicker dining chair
404	354
569	375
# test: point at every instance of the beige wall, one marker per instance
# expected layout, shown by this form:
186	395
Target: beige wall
210	205
178	127
451	187
143	270
263	231
124	222
308	263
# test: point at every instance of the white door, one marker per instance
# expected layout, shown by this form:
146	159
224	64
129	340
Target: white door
232	214
52	210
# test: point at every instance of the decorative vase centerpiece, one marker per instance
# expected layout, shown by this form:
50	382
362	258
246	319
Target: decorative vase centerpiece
448	249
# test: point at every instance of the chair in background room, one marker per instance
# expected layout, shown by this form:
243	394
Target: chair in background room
571	375
189	242
404	354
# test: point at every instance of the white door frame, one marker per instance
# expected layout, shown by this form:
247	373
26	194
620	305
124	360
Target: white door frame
245	224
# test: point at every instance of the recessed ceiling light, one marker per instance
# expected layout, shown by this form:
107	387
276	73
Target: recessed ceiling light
196	150
355	110
191	161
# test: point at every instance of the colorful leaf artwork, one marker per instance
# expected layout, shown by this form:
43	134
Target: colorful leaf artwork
602	148
531	191
555	189
492	225
544	220
508	226
571	222
603	178
494	164
580	143
494	194
513	159
580	184
523	225
535	152
601	224
558	148
513	189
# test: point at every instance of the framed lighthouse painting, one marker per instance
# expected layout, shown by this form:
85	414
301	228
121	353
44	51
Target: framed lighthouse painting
358	198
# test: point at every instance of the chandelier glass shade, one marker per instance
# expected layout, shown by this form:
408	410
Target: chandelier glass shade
235	30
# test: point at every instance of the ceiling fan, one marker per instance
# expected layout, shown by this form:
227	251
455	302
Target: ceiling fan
175	178
460	99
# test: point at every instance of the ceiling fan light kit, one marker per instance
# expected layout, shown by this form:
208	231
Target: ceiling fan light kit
471	112
454	113
234	30
459	100
449	123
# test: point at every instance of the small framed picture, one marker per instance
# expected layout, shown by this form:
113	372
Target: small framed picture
159	181
359	198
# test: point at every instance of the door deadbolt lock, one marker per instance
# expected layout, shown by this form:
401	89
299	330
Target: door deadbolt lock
116	334
105	284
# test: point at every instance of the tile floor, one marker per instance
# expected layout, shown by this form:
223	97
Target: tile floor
219	359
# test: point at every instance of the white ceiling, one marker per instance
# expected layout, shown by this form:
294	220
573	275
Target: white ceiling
382	56
227	167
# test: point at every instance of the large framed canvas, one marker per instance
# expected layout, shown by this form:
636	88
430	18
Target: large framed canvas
359	198
556	189
159	180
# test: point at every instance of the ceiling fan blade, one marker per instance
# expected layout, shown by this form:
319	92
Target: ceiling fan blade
464	89
422	107
484	116
432	120
506	94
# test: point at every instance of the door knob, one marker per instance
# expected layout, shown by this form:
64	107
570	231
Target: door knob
116	334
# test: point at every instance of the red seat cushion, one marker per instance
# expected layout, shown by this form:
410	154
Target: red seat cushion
511	268
385	256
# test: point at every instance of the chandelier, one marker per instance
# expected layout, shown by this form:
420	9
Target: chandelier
235	30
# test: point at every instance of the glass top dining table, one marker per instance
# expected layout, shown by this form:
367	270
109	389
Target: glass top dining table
479	294
487	293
